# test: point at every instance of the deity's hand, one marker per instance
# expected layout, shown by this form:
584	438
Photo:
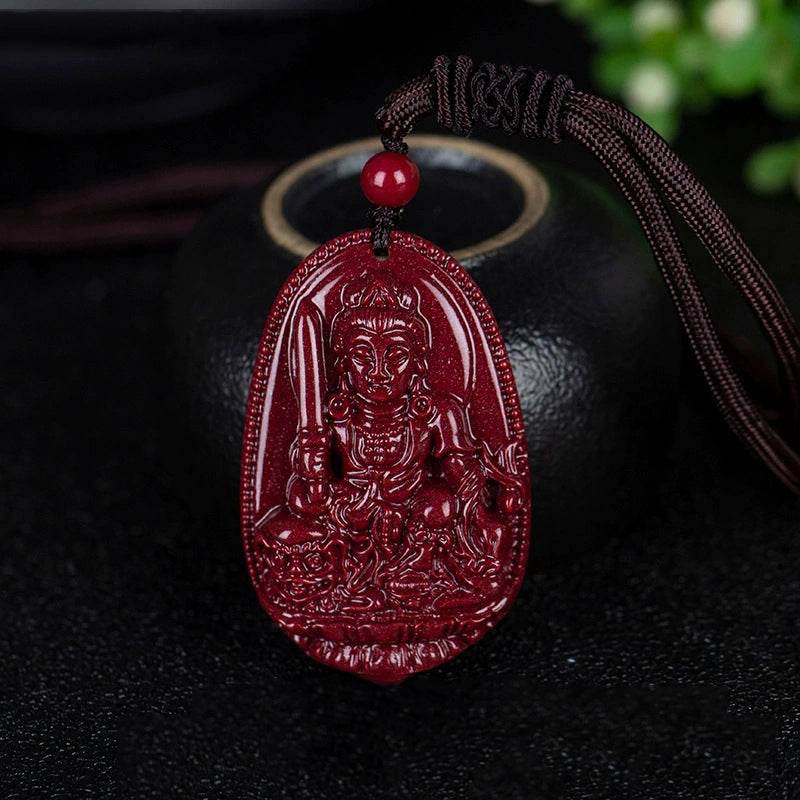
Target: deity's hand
311	477
387	530
316	490
510	499
308	496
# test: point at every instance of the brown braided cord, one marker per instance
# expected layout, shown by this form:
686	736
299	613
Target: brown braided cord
720	239
737	408
532	102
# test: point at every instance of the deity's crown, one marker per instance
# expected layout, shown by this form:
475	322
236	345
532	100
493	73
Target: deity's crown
379	291
380	299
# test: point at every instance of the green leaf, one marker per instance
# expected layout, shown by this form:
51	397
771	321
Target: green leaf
784	99
693	51
772	168
696	96
737	68
612	68
664	122
770	8
613	26
782	78
583	9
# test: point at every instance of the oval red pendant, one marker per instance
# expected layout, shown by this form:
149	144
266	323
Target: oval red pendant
385	491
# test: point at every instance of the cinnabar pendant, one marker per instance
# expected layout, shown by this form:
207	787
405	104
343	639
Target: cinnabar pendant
385	490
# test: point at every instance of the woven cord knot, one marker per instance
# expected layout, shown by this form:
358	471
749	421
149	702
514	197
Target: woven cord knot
518	99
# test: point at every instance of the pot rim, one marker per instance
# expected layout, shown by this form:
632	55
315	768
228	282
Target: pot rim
532	185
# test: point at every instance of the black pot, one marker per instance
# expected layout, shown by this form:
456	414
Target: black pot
588	325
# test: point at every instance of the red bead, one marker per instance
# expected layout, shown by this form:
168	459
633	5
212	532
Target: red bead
390	179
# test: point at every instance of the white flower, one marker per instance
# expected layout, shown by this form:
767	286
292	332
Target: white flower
729	20
655	16
651	87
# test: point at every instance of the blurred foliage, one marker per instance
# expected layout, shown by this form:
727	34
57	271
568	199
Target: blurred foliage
664	57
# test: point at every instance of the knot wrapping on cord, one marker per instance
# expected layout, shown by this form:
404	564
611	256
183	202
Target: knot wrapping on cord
518	99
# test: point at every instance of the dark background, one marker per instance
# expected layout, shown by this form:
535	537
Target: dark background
134	659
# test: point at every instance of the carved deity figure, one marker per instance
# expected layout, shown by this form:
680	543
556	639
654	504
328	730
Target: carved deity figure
392	502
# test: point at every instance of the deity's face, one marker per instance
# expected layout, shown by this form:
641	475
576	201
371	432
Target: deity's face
380	364
302	570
